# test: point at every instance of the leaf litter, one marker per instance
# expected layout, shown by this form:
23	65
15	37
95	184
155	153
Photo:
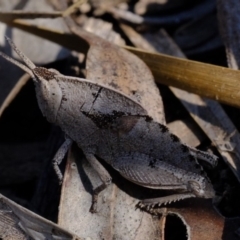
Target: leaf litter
225	223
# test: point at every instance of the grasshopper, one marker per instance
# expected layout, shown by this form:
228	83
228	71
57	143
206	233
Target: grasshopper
109	125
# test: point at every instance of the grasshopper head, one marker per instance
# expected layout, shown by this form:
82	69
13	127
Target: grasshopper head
49	94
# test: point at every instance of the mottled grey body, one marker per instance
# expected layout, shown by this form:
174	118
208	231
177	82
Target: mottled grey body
114	128
107	124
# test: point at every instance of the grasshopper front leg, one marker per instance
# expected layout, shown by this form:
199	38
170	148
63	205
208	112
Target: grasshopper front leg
59	157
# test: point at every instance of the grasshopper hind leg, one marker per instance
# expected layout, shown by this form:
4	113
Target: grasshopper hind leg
149	204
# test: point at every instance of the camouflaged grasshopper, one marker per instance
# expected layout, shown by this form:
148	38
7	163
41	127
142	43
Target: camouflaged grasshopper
107	124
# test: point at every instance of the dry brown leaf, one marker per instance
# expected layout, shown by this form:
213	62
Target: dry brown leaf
19	223
203	221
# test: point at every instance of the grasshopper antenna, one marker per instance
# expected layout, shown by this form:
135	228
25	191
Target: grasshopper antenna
25	59
30	65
